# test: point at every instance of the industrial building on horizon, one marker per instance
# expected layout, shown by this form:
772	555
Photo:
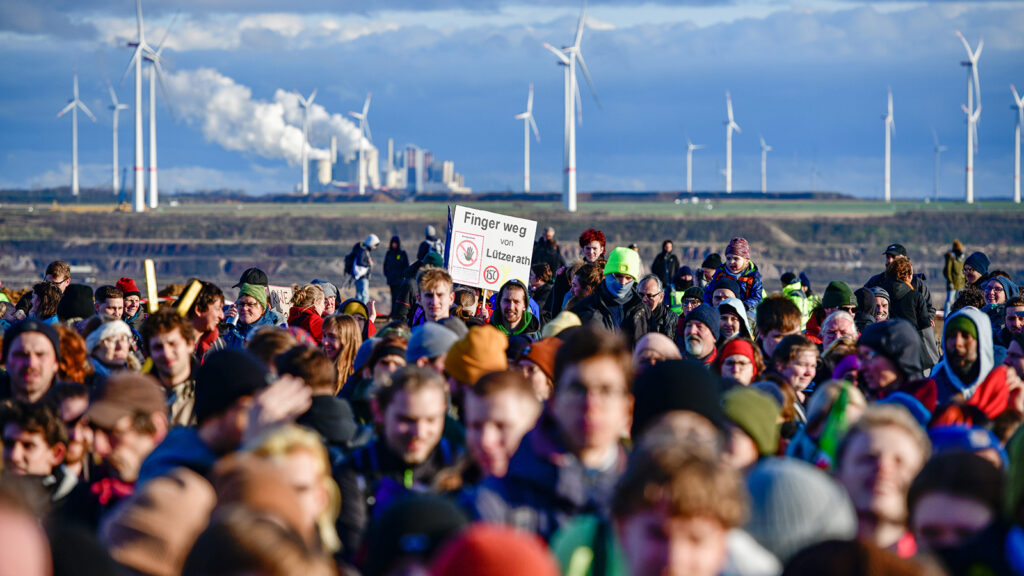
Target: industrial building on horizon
415	171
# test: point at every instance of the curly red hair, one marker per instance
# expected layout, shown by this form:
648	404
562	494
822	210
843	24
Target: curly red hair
591	234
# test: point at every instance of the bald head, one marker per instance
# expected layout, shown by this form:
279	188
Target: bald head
653	348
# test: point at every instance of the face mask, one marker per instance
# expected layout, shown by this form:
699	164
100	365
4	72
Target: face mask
619	290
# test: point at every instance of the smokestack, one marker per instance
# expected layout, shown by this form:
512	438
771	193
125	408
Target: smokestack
391	154
334	150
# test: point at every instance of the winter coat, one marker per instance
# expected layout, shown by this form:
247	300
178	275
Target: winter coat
361	263
749	281
546	485
907	303
308	320
665	266
182	447
803	303
947	382
239	334
331	418
600	309
917	283
662	320
540	295
529	327
547	252
953	271
396	261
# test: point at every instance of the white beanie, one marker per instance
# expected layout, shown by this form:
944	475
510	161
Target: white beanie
104	331
371	241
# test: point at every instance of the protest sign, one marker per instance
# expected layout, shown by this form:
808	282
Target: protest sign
279	299
489	249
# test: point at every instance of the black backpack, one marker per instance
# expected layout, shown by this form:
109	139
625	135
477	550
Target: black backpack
350	260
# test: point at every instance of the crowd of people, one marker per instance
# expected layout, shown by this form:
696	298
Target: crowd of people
599	419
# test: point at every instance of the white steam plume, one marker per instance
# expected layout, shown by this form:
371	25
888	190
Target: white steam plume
229	116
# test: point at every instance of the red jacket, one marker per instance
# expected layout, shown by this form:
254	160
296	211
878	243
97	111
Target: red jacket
308	320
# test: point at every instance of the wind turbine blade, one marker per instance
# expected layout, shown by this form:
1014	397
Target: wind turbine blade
586	75
66	109
529	100
579	25
966	111
356	115
113	95
522	116
536	132
977	83
366	128
935	137
970	54
728	106
1016	98
366	105
557	52
579	101
312	97
762	141
135	58
698	146
138	21
167	32
736	127
163	88
977	53
85	109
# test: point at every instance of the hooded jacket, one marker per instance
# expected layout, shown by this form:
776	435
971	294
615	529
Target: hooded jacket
308	320
949	384
794	291
396	261
599	309
237	336
917	283
737	307
529	327
749	280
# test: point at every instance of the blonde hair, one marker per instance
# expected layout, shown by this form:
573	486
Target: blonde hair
280	442
347	329
430	277
307	295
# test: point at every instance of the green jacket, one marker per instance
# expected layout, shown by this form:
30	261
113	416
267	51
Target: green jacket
588	547
802	301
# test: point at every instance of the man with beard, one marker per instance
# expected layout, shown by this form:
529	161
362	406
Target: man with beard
168	342
877	461
31	352
968	369
514	317
700	331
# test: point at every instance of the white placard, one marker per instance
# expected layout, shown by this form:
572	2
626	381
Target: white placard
489	249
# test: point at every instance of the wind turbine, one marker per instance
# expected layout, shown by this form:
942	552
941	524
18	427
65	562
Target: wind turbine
729	127
73	106
155	72
690	147
115	108
1016	143
305	103
939	149
890	127
569	56
973	113
528	122
364	135
141	48
765	149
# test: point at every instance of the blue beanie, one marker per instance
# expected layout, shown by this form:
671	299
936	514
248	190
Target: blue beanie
708	315
1009	287
979	262
965	439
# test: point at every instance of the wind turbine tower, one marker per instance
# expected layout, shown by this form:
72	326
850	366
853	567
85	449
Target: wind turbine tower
973	112
305	103
690	147
890	127
155	72
730	125
765	149
115	108
939	149
1019	105
141	48
364	136
528	123
569	57
73	106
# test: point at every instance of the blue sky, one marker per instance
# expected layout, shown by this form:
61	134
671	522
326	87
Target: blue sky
449	75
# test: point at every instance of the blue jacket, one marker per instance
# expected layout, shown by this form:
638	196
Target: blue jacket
546	486
240	333
181	447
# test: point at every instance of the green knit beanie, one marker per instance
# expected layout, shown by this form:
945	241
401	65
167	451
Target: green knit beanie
963	324
757	414
838	294
623	260
257	292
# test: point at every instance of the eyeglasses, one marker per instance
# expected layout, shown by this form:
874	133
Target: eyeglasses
651	296
848	309
580	390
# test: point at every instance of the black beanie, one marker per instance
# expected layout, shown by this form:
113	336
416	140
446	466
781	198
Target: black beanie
728	284
896	340
30	325
675	385
713	261
787	278
413	526
224	378
75	303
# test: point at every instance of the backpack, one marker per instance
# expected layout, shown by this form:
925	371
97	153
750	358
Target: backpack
350	260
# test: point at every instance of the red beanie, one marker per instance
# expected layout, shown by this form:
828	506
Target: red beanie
128	287
736	346
739	247
490	550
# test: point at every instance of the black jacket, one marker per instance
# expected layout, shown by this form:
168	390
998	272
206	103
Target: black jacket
665	267
662	320
395	264
917	282
541	295
907	303
332	418
547	252
599	309
405	297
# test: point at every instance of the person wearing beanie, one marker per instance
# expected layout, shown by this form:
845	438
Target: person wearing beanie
793	289
675	386
480	352
876	462
568	464
707	269
76	304
691	298
332	296
31	355
134	313
838	296
724	288
408	535
252	312
616	306
512	315
431	241
740	360
362	266
917	281
429	345
230	384
734	320
998	291
743	271
537	364
681	283
794	505
968	369
753	426
486	550
882	302
697	333
110	348
564	321
976	268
